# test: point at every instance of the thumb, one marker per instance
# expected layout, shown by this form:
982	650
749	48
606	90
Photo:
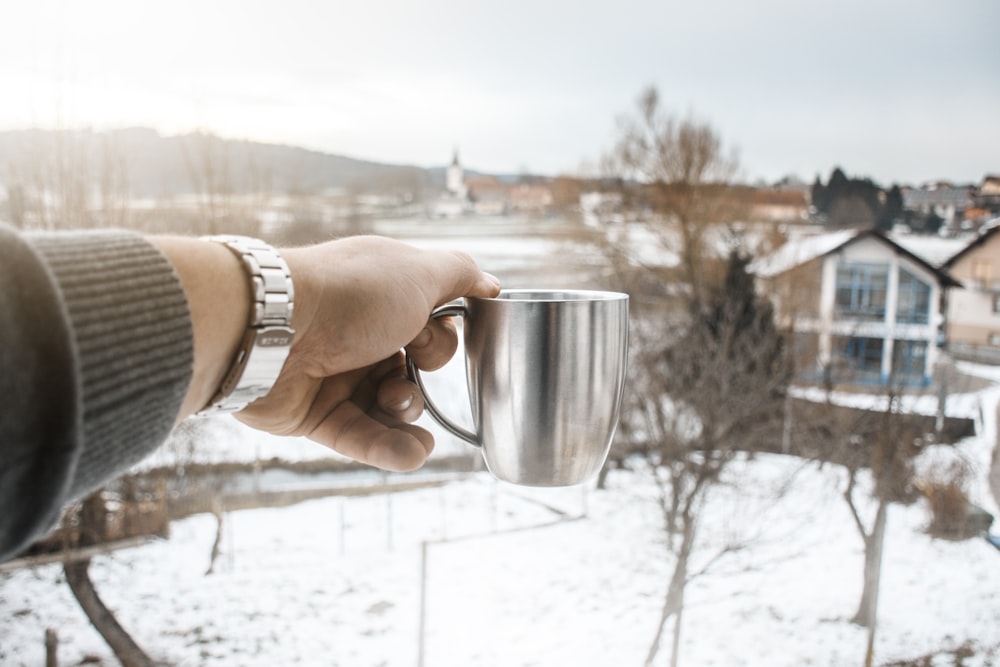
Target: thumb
488	286
467	279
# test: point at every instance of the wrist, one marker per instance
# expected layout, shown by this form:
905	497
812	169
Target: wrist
331	298
218	296
306	301
266	342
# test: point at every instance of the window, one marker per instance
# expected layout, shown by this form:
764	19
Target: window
914	302
996	303
861	357
861	290
910	363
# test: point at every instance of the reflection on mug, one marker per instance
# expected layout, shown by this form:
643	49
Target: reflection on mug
546	372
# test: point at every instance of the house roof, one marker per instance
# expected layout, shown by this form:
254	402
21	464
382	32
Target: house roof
932	249
991	228
799	251
767	197
990	185
946	195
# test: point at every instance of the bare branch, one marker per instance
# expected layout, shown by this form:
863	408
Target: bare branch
849	497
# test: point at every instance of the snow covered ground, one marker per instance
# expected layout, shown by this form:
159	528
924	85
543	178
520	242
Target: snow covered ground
533	577
511	577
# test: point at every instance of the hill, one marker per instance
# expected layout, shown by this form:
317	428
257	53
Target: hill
148	164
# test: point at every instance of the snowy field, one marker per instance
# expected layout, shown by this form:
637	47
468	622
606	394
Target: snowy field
511	577
533	577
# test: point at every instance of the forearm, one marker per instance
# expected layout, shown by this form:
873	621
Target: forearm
97	358
218	296
110	338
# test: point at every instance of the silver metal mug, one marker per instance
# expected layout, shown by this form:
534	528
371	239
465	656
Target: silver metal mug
546	372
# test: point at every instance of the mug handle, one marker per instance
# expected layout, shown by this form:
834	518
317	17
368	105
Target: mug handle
414	373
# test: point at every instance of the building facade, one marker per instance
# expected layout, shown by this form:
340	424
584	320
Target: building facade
973	317
454	201
863	310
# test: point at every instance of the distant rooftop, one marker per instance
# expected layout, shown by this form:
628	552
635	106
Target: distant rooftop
932	249
800	250
958	196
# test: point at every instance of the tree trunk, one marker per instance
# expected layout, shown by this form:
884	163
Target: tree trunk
868	606
654	647
125	649
217	510
51	648
673	605
675	652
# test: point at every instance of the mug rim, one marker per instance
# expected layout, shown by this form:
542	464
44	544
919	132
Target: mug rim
555	295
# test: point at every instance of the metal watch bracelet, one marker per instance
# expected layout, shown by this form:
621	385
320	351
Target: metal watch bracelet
268	337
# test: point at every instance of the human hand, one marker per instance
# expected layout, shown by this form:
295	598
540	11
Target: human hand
358	302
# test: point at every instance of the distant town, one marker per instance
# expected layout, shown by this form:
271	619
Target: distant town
140	178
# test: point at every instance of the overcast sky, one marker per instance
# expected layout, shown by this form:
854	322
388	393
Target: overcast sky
897	90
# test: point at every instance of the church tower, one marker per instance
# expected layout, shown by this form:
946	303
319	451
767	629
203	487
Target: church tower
454	202
455	178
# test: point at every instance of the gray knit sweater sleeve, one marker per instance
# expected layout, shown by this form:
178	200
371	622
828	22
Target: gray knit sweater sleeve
96	354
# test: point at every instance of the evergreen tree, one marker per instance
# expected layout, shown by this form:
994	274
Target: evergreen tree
732	350
892	210
857	202
837	187
819	199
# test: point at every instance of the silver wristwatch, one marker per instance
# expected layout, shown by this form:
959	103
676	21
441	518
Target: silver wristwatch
268	338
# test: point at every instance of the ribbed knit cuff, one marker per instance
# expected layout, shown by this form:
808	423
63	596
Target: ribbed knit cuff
134	342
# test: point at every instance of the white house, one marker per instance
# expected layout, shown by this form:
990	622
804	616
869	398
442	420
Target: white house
863	308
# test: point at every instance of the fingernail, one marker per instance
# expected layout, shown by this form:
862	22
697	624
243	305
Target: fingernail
423	338
404	404
492	279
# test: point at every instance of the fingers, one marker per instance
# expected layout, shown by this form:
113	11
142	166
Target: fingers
373	424
463	277
334	389
400	399
399	447
487	286
434	345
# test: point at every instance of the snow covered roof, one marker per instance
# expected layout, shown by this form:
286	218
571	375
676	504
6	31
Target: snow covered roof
988	230
800	250
934	250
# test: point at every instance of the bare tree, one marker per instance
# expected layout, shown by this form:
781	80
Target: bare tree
90	518
717	390
709	369
230	190
112	193
895	442
678	168
71	179
68	179
877	448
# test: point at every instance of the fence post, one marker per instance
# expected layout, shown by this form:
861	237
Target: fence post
444	512
423	604
388	521
343	526
51	648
